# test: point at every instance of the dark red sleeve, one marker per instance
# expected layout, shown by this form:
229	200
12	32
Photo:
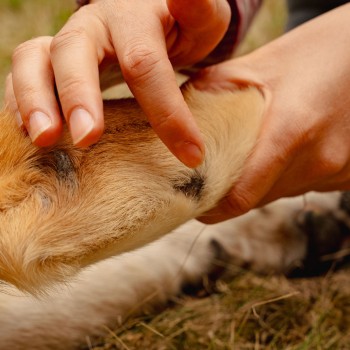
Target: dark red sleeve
242	14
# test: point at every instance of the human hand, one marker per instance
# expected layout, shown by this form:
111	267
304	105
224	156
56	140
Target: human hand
146	39
304	140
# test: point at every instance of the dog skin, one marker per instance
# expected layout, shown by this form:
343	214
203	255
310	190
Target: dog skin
63	209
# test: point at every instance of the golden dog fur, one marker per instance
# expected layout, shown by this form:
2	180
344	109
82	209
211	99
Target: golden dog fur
65	208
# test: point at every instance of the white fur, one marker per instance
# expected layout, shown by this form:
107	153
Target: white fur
59	217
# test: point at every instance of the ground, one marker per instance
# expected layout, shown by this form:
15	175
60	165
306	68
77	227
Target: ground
242	310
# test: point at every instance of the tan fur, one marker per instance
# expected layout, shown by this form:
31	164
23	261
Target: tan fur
59	214
62	209
112	290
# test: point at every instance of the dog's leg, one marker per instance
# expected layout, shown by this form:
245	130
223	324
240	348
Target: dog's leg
107	293
62	209
295	236
271	239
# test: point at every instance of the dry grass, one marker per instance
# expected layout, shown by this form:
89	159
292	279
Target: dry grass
246	311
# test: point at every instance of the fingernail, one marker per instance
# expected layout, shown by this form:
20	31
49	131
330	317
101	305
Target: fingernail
81	124
18	118
39	122
190	154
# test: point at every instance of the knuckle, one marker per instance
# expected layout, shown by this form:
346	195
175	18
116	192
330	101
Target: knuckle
23	50
30	48
28	91
67	37
27	96
69	88
239	203
138	62
165	119
82	26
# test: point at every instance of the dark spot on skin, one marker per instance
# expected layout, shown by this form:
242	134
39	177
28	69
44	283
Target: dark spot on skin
58	164
63	166
193	187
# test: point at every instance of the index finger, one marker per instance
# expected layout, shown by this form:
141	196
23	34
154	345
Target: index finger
144	61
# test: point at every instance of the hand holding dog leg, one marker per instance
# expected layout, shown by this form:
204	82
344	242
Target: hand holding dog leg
146	39
304	140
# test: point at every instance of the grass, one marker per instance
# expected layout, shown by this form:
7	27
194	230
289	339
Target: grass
246	311
23	20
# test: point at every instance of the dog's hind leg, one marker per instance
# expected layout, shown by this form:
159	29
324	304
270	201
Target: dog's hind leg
107	293
301	236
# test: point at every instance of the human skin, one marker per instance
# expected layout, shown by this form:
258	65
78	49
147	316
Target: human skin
303	144
304	141
143	39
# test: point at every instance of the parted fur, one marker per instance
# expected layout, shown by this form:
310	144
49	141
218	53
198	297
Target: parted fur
65	208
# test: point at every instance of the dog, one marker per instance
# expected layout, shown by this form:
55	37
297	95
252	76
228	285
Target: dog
114	221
